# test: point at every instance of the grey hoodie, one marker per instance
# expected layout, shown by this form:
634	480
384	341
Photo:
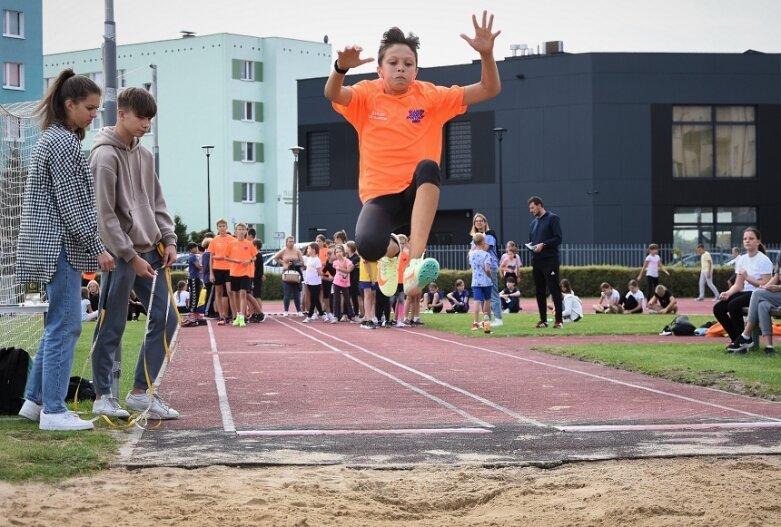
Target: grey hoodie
132	214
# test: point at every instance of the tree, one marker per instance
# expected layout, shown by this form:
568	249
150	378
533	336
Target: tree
180	229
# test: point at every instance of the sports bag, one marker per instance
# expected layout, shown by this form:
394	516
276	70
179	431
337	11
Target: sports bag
15	364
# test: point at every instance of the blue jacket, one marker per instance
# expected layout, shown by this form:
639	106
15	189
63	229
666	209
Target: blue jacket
547	230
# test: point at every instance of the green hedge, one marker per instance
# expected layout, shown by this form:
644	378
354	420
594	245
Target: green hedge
585	280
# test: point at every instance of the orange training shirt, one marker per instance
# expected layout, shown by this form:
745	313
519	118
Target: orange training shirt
396	132
241	250
219	247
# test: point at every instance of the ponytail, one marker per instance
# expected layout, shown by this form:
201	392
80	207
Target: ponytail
66	86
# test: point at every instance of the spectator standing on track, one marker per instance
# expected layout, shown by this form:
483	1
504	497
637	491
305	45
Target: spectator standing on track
706	274
342	303
399	122
544	240
220	270
241	255
290	258
313	272
138	229
194	282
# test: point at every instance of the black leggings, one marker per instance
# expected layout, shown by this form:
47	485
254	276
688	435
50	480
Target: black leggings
729	313
391	213
314	300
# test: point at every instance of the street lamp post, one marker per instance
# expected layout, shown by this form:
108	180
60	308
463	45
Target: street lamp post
208	150
499	132
296	150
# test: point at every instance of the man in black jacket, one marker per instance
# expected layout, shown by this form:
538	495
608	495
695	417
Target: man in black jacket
544	241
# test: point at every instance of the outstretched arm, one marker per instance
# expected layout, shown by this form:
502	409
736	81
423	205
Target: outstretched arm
483	42
335	91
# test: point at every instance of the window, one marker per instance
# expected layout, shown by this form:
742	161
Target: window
318	161
248	152
13	24
247	70
121	80
714	142
249	111
458	151
717	227
46	83
248	192
97	78
13	76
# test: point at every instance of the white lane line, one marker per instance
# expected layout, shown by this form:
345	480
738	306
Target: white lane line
599	377
407	385
672	427
515	415
346	432
219	380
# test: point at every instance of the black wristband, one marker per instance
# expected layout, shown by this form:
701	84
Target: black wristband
337	69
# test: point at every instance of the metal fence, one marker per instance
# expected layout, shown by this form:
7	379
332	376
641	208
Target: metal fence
581	254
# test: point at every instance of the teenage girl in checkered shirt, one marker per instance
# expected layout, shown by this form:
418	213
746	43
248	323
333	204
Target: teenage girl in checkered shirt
58	240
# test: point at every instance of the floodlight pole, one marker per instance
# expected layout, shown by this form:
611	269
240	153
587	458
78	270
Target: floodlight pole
294	224
499	132
208	150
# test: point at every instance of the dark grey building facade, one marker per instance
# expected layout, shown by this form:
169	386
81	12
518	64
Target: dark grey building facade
625	147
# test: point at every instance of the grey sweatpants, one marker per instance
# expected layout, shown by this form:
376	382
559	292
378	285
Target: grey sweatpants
108	333
762	301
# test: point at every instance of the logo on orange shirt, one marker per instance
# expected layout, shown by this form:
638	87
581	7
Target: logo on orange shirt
416	115
378	115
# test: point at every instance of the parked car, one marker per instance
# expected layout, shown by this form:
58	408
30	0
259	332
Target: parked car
181	262
693	260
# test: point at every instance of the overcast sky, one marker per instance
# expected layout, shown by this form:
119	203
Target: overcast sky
731	26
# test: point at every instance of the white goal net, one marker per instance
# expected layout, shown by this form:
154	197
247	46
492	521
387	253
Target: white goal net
21	307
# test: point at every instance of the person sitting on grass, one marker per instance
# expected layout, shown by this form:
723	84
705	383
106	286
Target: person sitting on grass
459	299
609	300
572	306
510	296
663	301
634	299
432	299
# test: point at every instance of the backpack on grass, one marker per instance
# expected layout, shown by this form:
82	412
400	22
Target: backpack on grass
681	327
15	364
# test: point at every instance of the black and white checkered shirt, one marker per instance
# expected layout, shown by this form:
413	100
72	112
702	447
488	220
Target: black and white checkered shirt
58	209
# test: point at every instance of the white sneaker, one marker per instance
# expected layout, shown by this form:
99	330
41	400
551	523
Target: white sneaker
31	411
65	421
306	320
497	323
158	407
109	406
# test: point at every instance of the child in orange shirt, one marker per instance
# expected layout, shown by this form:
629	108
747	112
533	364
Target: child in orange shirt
241	255
220	269
399	123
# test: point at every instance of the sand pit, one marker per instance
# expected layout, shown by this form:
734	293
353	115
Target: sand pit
732	492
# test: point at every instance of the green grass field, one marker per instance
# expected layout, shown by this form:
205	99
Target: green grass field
29	454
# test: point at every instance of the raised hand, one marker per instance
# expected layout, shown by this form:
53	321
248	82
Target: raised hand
483	41
350	57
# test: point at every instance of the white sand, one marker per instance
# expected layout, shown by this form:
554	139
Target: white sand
707	491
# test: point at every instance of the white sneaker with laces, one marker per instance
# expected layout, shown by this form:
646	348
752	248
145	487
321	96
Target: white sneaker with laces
497	323
109	406
31	411
158	407
64	422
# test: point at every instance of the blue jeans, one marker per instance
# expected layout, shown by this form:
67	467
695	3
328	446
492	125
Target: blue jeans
496	303
48	381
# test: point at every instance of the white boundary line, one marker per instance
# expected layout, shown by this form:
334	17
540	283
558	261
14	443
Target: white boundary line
518	417
219	380
407	385
344	432
600	377
670	427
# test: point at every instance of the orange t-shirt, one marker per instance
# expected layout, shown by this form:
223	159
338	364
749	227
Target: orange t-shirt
219	247
396	132
241	250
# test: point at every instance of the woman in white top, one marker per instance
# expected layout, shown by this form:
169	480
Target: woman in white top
753	270
87	313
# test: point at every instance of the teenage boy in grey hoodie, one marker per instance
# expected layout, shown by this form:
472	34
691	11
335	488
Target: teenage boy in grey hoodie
136	227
